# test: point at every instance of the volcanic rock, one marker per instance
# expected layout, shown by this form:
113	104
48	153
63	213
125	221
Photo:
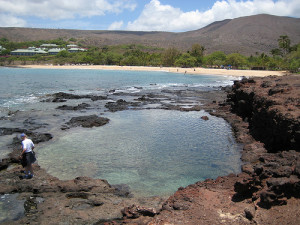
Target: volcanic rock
120	105
78	107
205	118
62	97
86	121
273	111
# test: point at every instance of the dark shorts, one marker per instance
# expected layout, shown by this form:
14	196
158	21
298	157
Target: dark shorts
28	158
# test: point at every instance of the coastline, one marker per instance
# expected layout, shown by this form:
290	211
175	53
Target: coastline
233	199
194	71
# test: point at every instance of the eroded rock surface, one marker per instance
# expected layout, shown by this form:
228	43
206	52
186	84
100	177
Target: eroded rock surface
272	107
82	200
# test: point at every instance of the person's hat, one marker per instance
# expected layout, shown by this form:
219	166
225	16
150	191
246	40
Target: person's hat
23	135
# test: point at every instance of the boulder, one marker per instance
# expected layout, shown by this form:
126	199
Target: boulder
86	121
205	118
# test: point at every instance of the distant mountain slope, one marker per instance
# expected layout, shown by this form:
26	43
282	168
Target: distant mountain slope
246	35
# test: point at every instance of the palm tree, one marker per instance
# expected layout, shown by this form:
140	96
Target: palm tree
276	52
284	42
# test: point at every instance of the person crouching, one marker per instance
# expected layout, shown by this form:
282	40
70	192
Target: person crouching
27	156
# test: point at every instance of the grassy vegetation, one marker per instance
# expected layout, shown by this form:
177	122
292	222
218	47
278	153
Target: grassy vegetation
285	57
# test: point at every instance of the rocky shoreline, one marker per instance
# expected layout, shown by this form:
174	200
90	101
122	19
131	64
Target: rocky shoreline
266	192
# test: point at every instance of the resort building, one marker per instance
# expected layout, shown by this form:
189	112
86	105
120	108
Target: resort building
55	51
72	46
49	46
2	49
51	49
72	50
28	52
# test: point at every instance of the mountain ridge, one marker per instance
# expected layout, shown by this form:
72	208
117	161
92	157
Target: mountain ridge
246	35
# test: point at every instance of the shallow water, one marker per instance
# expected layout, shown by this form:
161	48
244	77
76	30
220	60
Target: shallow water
11	209
153	151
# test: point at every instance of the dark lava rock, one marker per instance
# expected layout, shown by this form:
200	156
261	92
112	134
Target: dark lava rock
249	213
246	187
36	137
150	98
82	195
285	186
134	211
57	100
10	131
272	112
266	84
267	199
86	121
120	105
40	137
227	89
248	168
117	106
205	118
78	107
280	88
61	97
96	98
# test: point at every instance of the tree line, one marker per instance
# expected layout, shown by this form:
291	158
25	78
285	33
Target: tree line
285	57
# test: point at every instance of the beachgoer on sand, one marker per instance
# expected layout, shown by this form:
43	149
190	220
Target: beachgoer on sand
27	156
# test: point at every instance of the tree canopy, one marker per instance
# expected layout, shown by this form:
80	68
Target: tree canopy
285	57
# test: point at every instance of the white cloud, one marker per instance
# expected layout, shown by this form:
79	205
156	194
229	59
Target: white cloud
156	16
7	20
116	25
64	9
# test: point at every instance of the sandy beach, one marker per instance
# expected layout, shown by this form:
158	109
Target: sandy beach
196	71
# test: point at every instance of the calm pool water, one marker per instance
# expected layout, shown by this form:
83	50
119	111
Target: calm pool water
153	151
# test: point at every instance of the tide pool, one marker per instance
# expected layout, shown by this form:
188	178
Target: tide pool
152	150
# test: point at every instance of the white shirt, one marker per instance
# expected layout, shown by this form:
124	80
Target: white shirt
28	145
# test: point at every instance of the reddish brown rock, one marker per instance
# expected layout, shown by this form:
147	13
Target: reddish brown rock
205	118
265	192
273	111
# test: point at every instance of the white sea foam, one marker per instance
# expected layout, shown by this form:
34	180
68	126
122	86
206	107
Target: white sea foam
21	100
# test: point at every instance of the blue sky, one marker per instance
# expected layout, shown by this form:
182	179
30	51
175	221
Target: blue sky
135	15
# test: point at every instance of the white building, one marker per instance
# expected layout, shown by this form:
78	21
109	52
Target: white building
55	51
72	50
49	46
72	46
2	49
28	52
